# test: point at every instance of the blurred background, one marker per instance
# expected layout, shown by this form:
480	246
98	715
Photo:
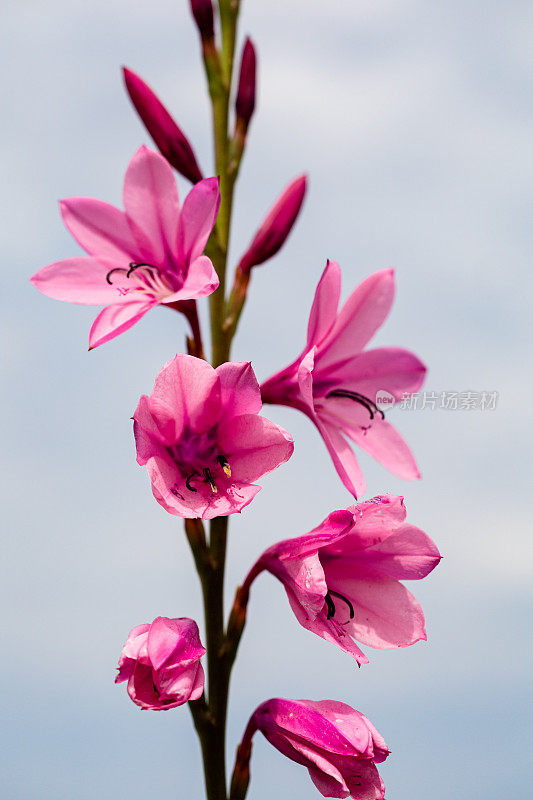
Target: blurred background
414	122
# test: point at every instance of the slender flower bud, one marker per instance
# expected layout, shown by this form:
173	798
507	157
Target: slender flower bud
276	226
169	138
202	11
245	101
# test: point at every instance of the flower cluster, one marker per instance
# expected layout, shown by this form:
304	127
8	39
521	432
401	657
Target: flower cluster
205	444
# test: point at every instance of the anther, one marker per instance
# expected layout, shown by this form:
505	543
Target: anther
223	461
370	406
188	479
331	605
342	597
209	479
134	265
111	271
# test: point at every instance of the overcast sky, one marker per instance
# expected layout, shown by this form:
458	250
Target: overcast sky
414	123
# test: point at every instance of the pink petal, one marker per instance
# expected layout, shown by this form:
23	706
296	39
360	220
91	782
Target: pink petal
116	319
197	688
239	390
152	205
197	219
364	782
231	501
174	640
391	369
343	458
141	688
335	527
168	488
253	446
384	443
201	280
149	440
374	521
100	228
386	613
186	392
408	554
324	308
363	313
327	785
82	280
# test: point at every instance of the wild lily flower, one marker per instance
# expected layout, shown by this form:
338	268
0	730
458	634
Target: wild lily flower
339	746
151	253
343	578
336	382
202	441
169	138
161	663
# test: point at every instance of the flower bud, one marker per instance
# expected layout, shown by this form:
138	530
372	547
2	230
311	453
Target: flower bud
161	663
245	100
202	11
169	138
276	226
338	745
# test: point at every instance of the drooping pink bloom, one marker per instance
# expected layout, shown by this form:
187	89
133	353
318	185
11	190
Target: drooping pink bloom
339	746
276	226
201	439
161	663
151	253
169	138
337	383
343	578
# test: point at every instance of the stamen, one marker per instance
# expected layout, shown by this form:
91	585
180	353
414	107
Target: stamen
188	479
111	271
331	606
223	461
342	597
134	265
370	406
209	479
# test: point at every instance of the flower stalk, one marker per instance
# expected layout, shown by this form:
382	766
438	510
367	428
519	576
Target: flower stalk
210	558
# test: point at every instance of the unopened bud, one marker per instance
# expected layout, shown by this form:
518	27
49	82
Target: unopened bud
202	11
276	226
245	101
169	138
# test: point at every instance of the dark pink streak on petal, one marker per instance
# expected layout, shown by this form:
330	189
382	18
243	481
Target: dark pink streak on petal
100	228
116	319
152	206
363	313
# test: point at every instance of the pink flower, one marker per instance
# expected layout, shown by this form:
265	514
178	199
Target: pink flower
169	138
276	226
161	663
151	253
336	383
343	578
339	746
202	440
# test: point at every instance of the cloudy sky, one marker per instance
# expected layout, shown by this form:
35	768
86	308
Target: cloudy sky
414	123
